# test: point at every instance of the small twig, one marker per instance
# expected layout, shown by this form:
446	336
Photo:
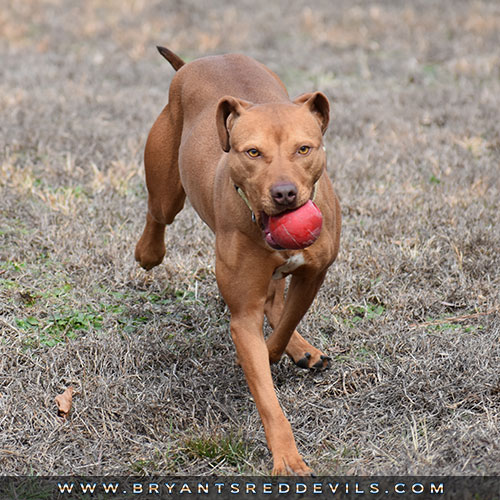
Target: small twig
455	319
10	452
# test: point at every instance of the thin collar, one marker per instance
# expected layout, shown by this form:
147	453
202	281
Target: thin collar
245	199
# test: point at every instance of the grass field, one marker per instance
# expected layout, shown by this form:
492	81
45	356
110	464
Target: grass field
410	311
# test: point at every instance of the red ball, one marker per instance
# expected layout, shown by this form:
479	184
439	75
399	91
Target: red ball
295	229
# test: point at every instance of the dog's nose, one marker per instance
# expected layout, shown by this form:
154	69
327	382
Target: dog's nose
284	194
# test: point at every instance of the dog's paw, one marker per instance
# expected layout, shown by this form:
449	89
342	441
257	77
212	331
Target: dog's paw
149	255
308	363
291	466
305	356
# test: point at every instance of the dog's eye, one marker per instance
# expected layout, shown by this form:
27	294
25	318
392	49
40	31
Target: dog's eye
253	153
303	150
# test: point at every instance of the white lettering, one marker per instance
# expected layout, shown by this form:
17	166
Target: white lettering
281	487
65	488
202	488
185	489
317	488
110	488
250	488
298	489
417	488
400	488
170	487
437	490
88	488
334	489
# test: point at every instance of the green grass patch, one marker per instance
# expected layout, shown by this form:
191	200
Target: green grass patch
58	291
57	328
130	324
11	265
441	325
364	353
217	449
368	312
8	284
185	296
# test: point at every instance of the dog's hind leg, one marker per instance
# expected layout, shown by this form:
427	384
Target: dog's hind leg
166	194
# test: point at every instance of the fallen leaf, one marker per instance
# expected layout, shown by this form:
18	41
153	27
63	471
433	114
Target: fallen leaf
64	401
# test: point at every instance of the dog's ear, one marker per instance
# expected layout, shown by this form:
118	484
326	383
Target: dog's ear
228	109
318	105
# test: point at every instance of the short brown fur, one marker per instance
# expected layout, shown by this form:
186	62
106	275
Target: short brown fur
219	108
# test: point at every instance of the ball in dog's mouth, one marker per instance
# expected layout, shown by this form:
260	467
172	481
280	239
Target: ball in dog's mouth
293	229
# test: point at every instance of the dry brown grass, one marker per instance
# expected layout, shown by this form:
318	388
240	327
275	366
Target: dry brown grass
409	313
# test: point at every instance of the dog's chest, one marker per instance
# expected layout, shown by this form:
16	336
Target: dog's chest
293	263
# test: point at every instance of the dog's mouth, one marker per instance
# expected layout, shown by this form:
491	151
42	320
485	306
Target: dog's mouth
262	218
266	232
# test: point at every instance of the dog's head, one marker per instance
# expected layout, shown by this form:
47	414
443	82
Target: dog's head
275	151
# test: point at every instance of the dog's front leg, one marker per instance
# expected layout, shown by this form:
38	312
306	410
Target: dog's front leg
298	348
302	290
244	289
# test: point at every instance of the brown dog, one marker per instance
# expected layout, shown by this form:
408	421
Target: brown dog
230	123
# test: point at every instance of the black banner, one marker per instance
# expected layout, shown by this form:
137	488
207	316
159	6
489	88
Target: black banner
225	487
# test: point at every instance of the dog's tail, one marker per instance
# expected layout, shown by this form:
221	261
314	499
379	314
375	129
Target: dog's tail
173	59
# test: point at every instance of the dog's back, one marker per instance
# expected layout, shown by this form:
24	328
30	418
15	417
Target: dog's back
204	81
